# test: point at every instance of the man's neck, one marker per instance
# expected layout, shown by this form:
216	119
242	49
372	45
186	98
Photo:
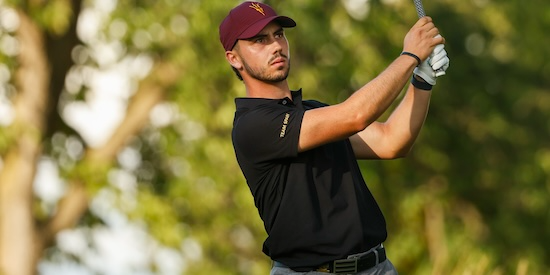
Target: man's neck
260	89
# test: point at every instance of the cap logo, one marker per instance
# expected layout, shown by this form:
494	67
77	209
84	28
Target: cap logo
258	8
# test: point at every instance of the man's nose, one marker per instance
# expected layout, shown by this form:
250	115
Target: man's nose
277	45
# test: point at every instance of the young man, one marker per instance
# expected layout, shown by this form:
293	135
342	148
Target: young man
300	157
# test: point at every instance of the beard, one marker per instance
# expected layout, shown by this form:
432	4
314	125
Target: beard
262	74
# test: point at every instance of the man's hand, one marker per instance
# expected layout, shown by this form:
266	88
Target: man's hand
425	71
439	60
422	38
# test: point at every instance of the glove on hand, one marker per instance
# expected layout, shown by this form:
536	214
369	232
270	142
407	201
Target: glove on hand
425	71
437	60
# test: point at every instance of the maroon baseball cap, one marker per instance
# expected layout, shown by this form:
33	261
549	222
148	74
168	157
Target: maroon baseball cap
247	20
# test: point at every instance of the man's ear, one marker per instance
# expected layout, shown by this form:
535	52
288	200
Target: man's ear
233	59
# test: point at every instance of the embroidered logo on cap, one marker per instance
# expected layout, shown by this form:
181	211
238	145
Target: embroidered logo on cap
258	8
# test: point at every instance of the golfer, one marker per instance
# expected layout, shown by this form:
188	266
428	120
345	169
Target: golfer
299	157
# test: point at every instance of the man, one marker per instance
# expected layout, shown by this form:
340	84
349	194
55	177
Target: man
300	157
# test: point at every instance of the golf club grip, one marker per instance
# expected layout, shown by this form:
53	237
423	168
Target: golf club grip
419	8
421	13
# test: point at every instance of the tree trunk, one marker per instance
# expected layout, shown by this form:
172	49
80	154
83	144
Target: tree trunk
22	238
18	240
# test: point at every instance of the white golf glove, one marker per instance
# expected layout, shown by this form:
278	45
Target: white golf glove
425	71
438	60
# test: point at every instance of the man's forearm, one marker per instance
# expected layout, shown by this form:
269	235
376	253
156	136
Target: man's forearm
373	99
406	121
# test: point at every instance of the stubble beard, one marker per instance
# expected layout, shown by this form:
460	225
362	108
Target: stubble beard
261	74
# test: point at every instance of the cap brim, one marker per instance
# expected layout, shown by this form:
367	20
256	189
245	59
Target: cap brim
285	22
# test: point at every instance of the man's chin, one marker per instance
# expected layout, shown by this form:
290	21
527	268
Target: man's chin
281	75
279	78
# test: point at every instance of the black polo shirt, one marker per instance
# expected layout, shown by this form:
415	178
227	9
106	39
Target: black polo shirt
315	205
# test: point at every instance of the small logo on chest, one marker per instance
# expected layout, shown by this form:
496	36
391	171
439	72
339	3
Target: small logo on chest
285	123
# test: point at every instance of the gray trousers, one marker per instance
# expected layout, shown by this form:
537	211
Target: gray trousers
383	268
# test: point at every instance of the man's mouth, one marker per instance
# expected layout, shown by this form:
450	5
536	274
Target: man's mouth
278	61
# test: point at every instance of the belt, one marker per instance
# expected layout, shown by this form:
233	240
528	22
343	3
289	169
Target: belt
353	263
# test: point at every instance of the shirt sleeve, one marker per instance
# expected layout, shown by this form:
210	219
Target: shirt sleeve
268	133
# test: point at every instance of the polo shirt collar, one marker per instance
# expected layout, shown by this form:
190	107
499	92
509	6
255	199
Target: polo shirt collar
250	102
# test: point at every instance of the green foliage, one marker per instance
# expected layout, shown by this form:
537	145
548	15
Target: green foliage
471	198
54	15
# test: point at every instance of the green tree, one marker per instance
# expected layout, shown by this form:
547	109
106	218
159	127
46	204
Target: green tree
472	197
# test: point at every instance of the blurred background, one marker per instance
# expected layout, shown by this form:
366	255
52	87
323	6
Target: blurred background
116	156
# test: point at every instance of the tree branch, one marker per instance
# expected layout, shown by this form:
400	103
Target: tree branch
152	91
